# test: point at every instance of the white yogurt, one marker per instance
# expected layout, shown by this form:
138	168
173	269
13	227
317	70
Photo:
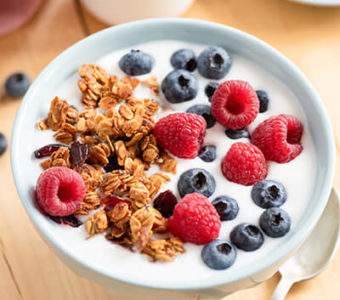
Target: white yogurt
297	176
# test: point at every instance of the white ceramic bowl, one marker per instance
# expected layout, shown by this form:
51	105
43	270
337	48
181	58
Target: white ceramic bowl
118	11
122	36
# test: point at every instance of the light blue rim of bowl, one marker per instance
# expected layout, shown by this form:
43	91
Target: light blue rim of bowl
195	31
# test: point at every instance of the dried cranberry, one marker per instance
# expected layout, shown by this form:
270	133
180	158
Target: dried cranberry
110	201
165	203
113	164
55	219
70	220
79	153
47	150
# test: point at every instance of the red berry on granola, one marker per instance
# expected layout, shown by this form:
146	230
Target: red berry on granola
60	191
195	220
181	134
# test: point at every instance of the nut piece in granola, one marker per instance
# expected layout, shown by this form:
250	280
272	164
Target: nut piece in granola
97	223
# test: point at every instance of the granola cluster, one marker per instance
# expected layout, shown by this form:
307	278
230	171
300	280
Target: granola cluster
111	145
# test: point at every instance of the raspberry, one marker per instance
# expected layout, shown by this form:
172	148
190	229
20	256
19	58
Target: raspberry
235	104
279	138
244	164
195	220
59	191
181	134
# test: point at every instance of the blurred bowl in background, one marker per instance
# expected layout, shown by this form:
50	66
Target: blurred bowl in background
14	13
118	11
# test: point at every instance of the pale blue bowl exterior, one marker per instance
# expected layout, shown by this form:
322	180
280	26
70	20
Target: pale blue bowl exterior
97	45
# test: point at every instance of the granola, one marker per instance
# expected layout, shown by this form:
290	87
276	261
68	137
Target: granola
117	130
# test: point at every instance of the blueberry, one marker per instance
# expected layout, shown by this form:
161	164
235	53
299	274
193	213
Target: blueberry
214	62
247	237
264	100
179	86
204	111
269	193
184	59
210	89
136	62
17	84
226	207
196	181
219	254
208	153
3	144
275	222
237	133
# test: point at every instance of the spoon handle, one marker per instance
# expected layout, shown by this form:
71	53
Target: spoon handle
282	288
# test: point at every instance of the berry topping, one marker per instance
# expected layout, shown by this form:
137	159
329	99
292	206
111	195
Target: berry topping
60	191
264	100
165	203
195	220
247	237
3	143
219	254
235	104
17	84
113	164
79	153
181	134
196	181
204	111
179	86
275	222
214	62
208	153
279	138
47	150
70	220
244	164
210	89
226	207
136	62
269	193
184	59
237	133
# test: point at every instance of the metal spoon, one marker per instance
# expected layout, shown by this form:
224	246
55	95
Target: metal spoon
316	251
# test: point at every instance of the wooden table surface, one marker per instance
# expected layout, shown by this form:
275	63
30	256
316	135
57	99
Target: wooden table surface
309	36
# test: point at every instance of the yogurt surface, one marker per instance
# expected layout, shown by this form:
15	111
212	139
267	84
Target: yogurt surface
297	176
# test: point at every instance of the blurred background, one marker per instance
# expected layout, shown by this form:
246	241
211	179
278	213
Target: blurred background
33	32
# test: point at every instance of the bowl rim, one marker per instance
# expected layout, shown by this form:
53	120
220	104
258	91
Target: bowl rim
294	241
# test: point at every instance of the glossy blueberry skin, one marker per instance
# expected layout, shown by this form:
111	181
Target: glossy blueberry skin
196	181
269	193
208	153
3	144
275	222
179	86
226	207
204	111
264	100
136	62
214	62
247	237
184	59
17	84
210	89
219	254
237	133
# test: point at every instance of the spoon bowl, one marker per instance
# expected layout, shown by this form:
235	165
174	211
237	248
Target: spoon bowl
316	251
